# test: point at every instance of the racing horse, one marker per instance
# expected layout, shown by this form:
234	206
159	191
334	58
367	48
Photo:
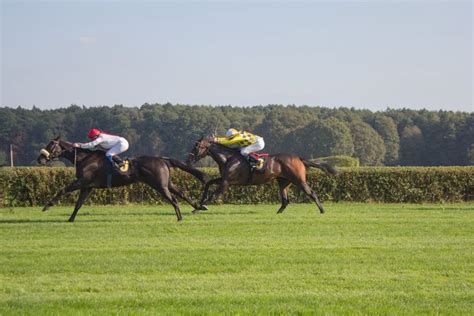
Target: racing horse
93	170
235	170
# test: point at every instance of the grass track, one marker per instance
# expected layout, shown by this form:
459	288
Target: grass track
245	259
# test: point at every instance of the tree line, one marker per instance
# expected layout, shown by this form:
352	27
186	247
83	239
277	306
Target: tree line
391	137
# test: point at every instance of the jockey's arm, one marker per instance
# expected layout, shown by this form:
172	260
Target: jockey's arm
92	144
226	141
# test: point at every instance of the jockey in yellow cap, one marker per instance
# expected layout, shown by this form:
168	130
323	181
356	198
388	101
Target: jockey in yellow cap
247	142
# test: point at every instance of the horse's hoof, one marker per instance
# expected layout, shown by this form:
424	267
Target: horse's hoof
71	220
203	207
45	208
196	211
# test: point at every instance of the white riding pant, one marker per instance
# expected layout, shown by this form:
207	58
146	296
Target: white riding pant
118	148
259	145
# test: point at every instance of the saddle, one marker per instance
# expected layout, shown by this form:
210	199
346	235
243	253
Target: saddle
121	168
257	162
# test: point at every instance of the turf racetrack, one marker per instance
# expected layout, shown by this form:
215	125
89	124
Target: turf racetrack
239	259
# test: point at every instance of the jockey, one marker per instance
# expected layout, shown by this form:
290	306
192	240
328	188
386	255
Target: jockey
112	144
247	142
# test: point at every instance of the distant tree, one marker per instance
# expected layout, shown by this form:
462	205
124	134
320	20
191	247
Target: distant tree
3	158
465	141
278	123
150	141
368	145
387	129
412	146
321	138
470	154
418	137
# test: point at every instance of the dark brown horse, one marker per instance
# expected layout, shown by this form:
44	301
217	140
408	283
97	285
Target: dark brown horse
235	170
93	170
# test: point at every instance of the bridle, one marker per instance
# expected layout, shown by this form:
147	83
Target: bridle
200	150
54	152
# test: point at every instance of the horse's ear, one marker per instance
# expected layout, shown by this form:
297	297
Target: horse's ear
57	138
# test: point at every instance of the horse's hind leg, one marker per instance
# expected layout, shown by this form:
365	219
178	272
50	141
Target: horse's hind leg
305	187
167	195
76	185
283	184
82	196
160	184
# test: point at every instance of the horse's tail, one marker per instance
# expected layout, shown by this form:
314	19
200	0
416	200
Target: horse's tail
320	165
201	176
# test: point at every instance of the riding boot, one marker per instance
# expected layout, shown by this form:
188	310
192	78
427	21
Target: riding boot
252	161
255	163
118	161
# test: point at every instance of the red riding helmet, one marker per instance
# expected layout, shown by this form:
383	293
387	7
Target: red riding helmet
93	133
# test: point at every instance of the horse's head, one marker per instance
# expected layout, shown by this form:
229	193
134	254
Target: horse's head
200	149
51	151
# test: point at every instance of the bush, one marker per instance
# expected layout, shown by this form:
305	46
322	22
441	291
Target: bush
340	161
34	186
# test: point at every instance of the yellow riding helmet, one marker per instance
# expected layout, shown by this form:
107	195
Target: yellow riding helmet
231	132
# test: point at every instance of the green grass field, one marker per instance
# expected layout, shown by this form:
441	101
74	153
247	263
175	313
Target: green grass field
239	259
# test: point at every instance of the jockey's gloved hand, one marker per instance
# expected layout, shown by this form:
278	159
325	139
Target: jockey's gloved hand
76	145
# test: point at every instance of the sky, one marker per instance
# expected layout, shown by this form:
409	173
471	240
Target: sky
373	55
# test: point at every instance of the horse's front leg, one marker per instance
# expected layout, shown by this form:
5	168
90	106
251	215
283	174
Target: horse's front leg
221	189
76	185
205	193
82	196
185	197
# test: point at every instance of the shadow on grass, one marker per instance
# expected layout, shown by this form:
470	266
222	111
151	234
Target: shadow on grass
21	221
49	221
441	207
128	214
166	214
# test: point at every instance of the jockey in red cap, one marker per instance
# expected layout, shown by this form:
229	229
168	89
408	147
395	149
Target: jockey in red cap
112	144
94	132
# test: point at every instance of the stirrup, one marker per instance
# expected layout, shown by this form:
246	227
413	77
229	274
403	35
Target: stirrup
124	166
120	165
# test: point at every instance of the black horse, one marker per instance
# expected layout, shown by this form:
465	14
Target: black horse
93	170
235	170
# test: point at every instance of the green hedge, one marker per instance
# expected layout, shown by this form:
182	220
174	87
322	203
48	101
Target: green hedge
340	161
34	186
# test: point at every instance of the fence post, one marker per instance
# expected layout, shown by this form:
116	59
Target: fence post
11	155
